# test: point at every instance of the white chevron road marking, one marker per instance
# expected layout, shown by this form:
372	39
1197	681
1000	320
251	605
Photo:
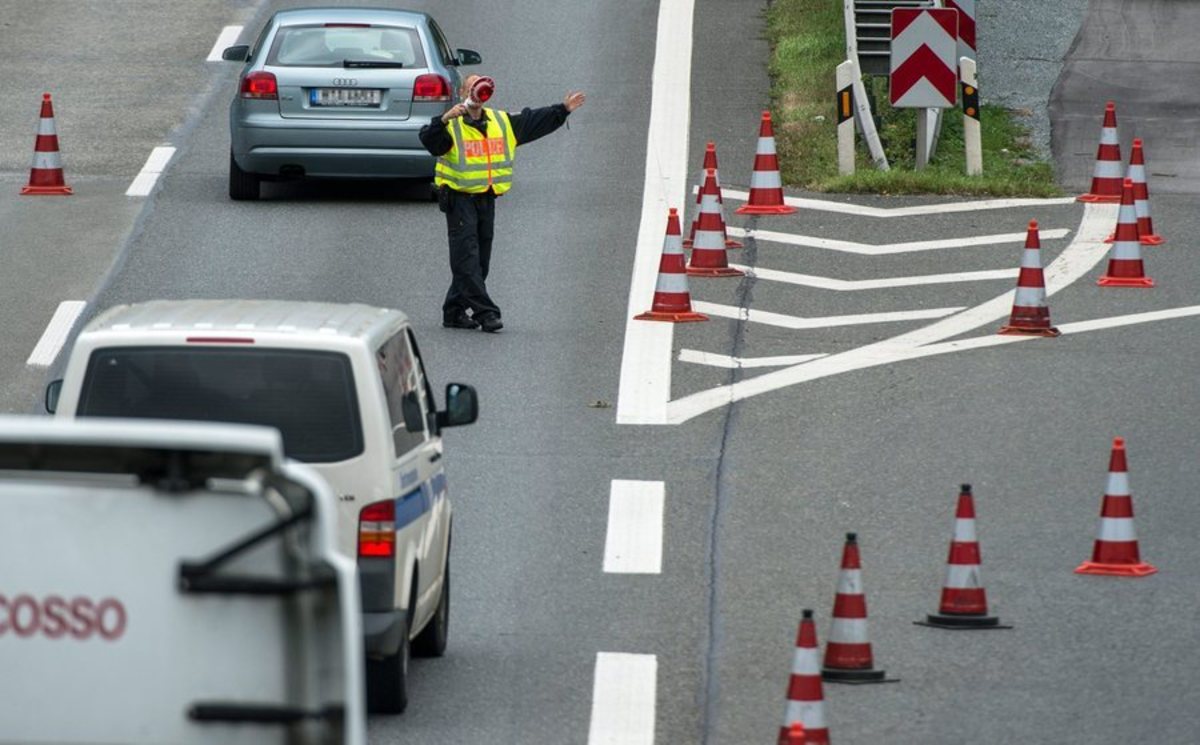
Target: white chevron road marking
820	322
853	285
910	211
866	249
696	357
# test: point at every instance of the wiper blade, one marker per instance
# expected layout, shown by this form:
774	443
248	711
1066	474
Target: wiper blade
371	63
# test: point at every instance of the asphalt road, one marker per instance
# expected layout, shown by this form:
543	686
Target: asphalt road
758	493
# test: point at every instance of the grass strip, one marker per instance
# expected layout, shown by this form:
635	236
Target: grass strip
807	44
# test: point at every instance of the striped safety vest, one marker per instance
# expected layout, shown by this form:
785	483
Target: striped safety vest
476	163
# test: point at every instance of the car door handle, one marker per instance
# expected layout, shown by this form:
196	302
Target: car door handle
434	457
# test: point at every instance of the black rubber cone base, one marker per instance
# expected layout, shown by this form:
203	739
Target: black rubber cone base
855	677
962	623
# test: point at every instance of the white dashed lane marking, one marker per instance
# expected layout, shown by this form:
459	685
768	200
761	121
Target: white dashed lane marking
55	335
226	38
635	527
623	699
144	182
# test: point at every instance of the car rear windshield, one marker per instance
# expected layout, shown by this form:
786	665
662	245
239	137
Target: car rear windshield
308	396
330	46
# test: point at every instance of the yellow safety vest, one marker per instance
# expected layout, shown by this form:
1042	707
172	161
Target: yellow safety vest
475	162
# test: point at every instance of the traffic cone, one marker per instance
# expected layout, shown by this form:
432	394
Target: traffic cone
1116	549
46	175
710	161
1106	176
964	602
766	186
848	657
672	301
1125	262
708	250
1030	313
806	697
1141	198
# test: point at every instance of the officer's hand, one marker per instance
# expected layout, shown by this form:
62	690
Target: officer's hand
455	111
574	100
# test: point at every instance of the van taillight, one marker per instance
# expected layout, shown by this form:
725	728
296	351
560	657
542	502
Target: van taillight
260	84
377	529
431	87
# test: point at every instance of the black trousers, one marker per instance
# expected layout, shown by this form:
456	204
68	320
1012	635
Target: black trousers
470	219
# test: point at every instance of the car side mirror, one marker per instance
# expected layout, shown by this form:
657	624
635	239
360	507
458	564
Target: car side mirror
462	406
468	57
53	391
239	53
410	406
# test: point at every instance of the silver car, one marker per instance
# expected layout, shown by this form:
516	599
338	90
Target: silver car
339	93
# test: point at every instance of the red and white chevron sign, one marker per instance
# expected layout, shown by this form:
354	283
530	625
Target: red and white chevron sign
966	26
924	58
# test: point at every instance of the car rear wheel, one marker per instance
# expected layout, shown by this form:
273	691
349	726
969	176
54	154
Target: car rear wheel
431	642
387	680
242	185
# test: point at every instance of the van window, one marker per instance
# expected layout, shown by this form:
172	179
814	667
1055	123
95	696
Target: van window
401	379
308	396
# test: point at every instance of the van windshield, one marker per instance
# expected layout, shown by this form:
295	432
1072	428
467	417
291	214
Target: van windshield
308	396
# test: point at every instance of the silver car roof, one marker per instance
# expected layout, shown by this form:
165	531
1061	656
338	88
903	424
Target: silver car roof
297	16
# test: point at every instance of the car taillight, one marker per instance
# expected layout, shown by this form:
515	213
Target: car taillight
260	84
377	529
431	87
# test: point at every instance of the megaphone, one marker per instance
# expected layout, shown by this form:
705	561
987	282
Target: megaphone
481	91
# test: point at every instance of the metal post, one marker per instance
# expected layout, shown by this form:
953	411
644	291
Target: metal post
845	118
862	104
922	139
972	135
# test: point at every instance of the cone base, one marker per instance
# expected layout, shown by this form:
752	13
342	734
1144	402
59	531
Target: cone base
680	317
946	621
724	271
855	677
764	209
1099	198
47	190
1153	239
1107	281
1141	569
1024	331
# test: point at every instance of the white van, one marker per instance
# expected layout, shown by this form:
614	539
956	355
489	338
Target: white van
346	387
168	582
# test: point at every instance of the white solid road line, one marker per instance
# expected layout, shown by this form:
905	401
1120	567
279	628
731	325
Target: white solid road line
866	249
226	38
635	527
623	699
645	384
1076	260
712	359
850	285
144	182
55	335
913	211
821	322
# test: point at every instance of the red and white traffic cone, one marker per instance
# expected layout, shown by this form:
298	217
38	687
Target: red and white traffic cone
964	601
710	161
708	250
806	697
766	185
1030	312
848	656
1106	176
1116	549
46	175
1125	267
672	301
1141	196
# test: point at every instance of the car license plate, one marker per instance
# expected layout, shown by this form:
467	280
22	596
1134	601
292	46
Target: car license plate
345	96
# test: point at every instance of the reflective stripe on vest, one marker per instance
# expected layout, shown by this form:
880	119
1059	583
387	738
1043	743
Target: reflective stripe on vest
475	162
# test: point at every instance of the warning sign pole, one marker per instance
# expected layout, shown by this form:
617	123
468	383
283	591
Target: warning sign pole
845	118
972	135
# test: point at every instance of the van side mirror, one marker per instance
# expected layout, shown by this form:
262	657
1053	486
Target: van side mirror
53	391
239	53
468	57
462	406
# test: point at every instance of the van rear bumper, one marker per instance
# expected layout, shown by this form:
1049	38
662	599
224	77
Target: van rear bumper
382	632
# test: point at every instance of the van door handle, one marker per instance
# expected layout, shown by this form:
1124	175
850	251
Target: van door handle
434	457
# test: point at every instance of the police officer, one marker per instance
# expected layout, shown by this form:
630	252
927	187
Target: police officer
476	147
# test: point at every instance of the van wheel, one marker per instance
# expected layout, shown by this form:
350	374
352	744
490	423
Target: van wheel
387	680
243	186
431	642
